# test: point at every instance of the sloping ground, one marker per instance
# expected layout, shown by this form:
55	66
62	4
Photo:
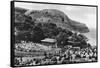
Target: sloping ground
53	16
36	49
21	10
31	46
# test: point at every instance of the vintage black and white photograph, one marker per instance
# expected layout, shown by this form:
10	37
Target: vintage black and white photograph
51	34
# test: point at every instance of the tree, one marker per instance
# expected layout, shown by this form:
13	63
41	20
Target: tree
62	39
37	34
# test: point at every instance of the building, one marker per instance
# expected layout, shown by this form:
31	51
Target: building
50	42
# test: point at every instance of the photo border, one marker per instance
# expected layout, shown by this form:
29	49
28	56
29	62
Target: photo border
12	37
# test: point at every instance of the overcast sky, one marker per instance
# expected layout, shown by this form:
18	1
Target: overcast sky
82	14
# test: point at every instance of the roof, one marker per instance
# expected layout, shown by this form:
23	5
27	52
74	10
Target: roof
49	40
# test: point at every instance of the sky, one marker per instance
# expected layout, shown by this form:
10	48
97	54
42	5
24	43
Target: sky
82	14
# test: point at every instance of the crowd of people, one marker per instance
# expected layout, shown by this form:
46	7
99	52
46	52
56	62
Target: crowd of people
27	46
68	54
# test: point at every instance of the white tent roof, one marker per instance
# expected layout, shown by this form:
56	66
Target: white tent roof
48	40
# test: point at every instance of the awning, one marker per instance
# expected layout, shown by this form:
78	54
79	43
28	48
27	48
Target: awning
49	40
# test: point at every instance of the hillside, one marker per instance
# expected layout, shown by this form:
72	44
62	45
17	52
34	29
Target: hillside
36	25
51	16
